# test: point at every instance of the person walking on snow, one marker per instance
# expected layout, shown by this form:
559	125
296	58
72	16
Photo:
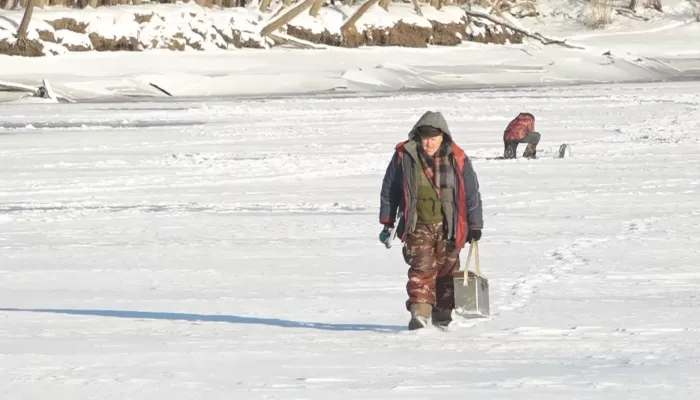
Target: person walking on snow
521	130
432	182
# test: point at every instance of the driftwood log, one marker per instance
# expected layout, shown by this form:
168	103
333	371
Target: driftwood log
630	13
533	35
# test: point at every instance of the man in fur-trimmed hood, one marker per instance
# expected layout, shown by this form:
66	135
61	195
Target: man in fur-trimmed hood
430	179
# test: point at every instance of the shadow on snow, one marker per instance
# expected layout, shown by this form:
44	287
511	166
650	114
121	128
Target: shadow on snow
233	319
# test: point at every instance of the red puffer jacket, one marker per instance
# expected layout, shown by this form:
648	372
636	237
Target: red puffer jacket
518	128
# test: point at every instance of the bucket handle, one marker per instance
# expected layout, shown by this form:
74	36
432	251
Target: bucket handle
473	246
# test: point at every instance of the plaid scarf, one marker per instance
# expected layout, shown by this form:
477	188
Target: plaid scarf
437	168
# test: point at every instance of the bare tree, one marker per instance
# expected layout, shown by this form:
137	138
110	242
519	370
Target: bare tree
316	8
23	29
288	16
656	5
264	4
437	4
416	7
11	4
349	25
695	4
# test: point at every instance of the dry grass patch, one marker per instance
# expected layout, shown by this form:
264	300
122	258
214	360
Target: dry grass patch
598	14
69	24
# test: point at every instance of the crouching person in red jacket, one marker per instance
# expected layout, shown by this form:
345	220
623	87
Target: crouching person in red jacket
521	130
432	182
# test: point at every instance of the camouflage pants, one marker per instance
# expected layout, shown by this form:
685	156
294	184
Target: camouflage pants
432	260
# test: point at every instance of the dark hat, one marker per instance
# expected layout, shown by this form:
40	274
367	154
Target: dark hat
428	131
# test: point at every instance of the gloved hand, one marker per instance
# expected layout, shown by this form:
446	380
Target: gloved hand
385	233
474	234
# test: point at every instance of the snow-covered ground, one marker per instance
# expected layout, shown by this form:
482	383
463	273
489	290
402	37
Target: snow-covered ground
629	50
228	250
254	72
121	75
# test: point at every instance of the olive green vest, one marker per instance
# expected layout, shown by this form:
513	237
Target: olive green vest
428	205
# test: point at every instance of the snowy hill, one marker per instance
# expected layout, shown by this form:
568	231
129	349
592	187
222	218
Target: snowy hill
188	26
647	46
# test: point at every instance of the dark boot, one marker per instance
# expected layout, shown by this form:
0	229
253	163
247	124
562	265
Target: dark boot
530	151
564	151
509	151
420	315
442	319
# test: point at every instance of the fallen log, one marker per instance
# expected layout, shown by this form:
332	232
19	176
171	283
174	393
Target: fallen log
534	35
283	38
286	17
629	13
